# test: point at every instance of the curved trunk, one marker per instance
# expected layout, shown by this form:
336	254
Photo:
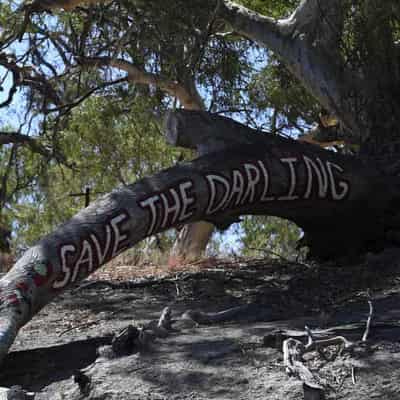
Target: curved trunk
344	206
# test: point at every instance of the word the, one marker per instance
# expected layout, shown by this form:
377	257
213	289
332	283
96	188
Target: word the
92	251
171	206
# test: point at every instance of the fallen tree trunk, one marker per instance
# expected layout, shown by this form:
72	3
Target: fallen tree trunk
343	205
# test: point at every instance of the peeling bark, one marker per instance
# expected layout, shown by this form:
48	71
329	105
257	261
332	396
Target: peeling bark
343	205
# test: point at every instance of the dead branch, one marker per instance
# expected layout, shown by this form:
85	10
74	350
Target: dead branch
15	392
294	350
368	324
27	76
353	375
34	145
133	339
66	108
128	285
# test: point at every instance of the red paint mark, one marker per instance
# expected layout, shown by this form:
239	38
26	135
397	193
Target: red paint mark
42	274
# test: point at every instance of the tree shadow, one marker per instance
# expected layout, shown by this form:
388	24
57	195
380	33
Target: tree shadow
35	369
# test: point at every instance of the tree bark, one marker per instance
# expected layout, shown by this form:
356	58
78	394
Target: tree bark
345	206
303	44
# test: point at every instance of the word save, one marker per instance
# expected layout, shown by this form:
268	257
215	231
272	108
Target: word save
92	251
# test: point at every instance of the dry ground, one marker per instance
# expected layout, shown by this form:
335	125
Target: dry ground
236	359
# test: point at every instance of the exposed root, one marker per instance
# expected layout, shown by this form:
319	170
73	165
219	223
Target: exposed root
294	350
133	339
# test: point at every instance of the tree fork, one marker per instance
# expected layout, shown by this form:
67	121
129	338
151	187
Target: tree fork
344	205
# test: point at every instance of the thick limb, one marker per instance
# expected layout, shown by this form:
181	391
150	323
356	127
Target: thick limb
320	190
308	43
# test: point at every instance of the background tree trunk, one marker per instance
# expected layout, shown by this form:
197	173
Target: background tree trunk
190	243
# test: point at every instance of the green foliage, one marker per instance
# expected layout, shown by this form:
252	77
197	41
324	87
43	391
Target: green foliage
109	133
269	236
272	8
108	145
293	109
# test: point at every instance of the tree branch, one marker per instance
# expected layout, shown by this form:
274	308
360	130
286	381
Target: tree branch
32	143
315	17
186	96
294	41
27	76
66	108
67	5
206	133
302	19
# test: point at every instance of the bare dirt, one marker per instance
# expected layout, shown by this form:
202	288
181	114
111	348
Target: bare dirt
60	354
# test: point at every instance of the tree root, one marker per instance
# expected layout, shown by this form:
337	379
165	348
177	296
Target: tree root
294	350
134	339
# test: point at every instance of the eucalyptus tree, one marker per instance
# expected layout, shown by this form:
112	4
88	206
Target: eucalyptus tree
344	53
176	55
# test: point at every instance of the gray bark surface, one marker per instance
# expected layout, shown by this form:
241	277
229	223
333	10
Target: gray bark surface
340	202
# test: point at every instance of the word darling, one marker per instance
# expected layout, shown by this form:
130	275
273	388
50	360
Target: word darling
245	185
253	184
92	251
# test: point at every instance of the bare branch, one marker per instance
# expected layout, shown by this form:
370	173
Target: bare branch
368	324
186	95
294	350
65	108
302	19
320	18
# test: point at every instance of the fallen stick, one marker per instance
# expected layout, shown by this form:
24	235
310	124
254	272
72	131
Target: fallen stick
294	350
368	324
